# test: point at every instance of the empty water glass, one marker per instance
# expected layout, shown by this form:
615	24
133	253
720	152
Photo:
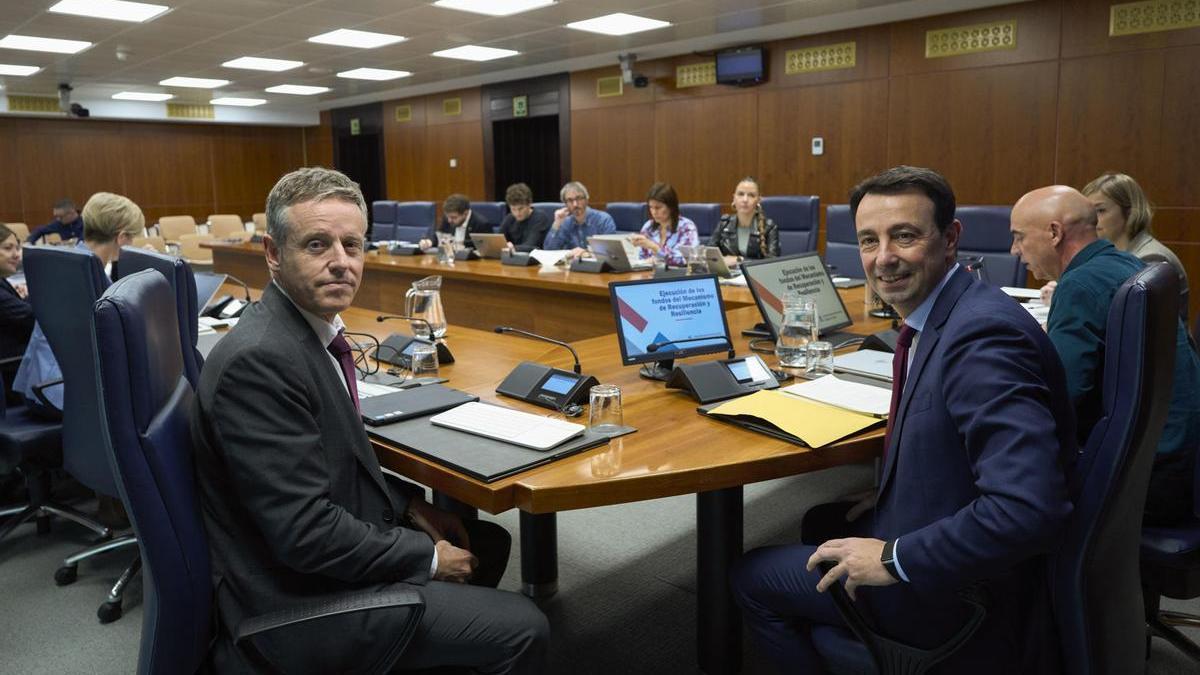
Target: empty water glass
423	361
604	415
820	359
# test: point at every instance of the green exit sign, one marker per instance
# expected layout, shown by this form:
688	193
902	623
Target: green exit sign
520	106
355	127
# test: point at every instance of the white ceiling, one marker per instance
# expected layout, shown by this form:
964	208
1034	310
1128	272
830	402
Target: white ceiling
196	36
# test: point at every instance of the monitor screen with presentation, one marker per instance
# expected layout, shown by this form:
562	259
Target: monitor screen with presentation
664	319
769	280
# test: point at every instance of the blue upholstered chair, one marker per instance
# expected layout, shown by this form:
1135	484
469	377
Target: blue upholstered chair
413	220
79	279
147	406
491	212
986	234
1093	575
183	285
383	220
841	243
629	216
705	216
798	218
548	208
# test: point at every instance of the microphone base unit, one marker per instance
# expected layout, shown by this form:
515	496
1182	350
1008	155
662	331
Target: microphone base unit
518	260
719	380
670	272
466	254
548	387
658	370
397	350
589	266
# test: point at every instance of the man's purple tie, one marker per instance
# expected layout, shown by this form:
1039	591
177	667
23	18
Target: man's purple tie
899	371
341	351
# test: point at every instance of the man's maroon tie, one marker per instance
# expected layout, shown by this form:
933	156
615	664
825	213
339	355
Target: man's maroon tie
899	371
342	352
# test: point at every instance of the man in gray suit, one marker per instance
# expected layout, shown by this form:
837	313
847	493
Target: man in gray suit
294	501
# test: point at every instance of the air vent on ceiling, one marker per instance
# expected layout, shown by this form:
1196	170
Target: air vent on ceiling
38	104
824	57
1153	16
609	86
451	107
980	37
696	74
404	113
200	111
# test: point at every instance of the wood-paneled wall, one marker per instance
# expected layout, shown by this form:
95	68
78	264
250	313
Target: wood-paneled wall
168	169
419	151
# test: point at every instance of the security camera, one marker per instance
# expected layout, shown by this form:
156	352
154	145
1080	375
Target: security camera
64	96
627	61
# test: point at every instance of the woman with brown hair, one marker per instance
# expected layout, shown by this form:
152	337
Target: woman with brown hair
747	232
666	230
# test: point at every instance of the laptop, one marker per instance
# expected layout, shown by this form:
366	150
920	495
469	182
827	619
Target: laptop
489	245
620	253
207	285
714	258
406	404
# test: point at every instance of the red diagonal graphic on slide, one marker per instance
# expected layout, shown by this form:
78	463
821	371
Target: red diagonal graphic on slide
768	297
636	320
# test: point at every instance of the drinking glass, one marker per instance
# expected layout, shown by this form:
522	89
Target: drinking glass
696	262
446	247
604	414
423	362
798	328
820	359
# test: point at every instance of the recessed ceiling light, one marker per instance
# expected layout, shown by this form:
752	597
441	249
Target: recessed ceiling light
110	9
618	24
141	96
18	71
344	37
38	44
494	7
193	82
475	53
297	89
373	74
256	63
243	102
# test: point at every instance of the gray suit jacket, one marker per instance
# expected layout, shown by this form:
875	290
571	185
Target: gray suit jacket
294	502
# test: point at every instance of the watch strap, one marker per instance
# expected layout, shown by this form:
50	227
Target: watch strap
888	558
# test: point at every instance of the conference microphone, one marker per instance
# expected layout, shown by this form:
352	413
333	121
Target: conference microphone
543	338
655	346
242	284
388	317
398	343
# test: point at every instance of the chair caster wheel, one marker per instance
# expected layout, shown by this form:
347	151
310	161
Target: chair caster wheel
66	575
109	612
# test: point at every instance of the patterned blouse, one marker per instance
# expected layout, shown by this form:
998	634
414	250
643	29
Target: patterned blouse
685	234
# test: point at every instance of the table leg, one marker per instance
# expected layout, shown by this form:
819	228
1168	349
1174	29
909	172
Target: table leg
447	503
539	554
718	545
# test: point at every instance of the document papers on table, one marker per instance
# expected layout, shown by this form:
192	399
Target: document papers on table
548	258
814	424
853	396
508	425
868	362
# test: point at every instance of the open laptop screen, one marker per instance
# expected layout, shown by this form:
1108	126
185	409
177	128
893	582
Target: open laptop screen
207	285
769	280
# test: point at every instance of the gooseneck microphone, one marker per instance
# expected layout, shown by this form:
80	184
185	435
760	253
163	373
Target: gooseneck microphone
388	317
240	283
655	346
543	338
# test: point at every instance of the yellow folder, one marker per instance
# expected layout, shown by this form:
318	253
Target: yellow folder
814	424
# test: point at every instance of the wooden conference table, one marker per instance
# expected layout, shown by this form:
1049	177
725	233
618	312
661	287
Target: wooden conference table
477	293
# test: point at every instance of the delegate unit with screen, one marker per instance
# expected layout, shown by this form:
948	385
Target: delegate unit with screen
660	320
805	274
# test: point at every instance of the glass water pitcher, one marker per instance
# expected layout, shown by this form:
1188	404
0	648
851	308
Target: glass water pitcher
424	301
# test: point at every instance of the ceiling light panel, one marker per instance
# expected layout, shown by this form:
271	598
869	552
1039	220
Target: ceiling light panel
118	10
193	82
141	96
297	89
494	7
240	102
618	24
256	63
378	74
344	37
17	71
40	44
476	53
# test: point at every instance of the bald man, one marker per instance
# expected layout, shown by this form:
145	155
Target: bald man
1054	232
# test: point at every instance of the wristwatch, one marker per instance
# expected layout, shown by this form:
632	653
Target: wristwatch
888	558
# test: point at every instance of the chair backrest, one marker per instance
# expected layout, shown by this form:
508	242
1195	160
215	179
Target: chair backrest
260	222
629	216
547	208
986	234
154	242
798	218
491	212
19	229
413	220
183	284
705	216
1095	578
147	407
172	227
78	280
841	242
383	220
190	249
52	238
226	225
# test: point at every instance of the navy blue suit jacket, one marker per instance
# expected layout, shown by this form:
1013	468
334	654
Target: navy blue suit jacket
974	482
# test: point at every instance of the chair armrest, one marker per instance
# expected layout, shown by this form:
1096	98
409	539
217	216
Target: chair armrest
10	360
353	602
41	397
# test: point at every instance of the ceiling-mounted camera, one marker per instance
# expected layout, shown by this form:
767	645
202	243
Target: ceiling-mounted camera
64	102
627	73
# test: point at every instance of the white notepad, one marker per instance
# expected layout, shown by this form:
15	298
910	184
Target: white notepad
505	424
868	362
855	396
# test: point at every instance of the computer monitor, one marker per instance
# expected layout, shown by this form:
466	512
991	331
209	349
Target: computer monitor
660	320
769	280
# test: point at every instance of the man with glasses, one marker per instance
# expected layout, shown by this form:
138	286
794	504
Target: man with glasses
576	221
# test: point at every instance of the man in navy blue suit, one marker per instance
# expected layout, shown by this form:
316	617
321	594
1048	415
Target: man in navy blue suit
973	489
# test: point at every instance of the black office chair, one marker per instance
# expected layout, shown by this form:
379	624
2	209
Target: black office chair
1093	575
147	405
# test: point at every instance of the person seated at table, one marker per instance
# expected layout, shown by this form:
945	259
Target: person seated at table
459	221
523	228
747	232
1123	215
67	224
16	314
576	221
110	222
666	230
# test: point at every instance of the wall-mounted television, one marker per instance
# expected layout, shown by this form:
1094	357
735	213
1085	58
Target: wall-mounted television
742	67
